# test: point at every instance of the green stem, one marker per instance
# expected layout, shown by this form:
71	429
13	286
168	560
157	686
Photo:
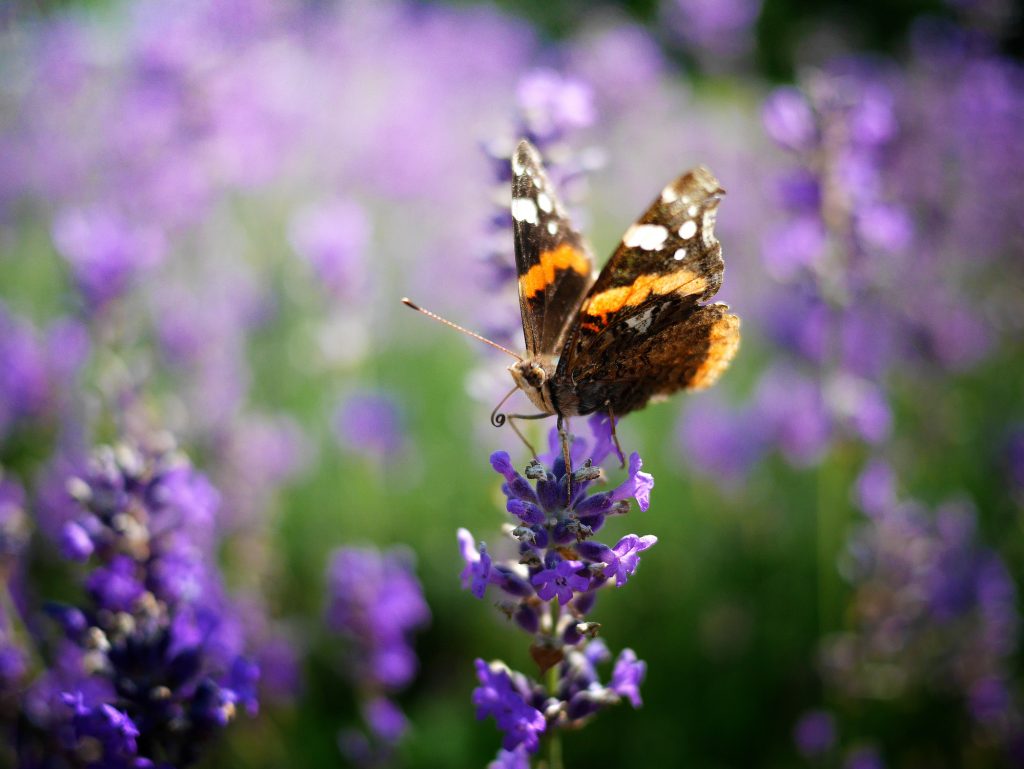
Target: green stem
554	738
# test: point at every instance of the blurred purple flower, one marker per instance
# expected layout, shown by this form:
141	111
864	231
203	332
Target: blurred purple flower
370	423
716	30
815	733
721	441
620	62
552	105
375	602
790	120
105	251
932	608
333	238
25	387
157	632
863	758
629	673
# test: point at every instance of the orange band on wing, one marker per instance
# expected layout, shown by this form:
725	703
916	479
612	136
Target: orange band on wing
542	274
612	300
722	346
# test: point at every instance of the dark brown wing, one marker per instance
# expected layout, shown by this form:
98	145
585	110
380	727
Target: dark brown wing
553	261
641	331
685	347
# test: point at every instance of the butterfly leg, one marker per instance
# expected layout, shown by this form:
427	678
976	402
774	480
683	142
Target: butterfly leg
563	435
615	437
510	418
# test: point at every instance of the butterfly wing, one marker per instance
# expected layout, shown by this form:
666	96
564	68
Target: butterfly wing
642	331
553	261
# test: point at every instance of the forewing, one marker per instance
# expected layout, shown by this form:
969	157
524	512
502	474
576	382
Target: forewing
553	261
671	251
672	344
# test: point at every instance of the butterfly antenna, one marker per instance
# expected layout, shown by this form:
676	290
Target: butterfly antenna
409	303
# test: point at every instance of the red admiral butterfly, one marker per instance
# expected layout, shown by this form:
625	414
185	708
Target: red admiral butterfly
640	330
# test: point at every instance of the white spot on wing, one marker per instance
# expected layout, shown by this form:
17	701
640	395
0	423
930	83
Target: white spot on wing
641	322
692	211
688	229
517	165
679	255
649	237
524	210
544	202
552	227
669	194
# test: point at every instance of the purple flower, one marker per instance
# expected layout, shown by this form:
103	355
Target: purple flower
476	575
627	552
75	542
790	120
930	601
116	587
561	581
25	386
505	700
375	600
721	29
863	758
105	727
511	759
551	585
385	719
333	237
815	733
552	105
106	251
370	424
158	634
637	484
628	675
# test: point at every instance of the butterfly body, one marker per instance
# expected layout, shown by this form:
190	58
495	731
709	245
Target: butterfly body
638	331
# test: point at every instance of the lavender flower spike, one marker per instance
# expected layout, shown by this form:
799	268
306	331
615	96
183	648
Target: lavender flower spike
151	666
550	586
375	603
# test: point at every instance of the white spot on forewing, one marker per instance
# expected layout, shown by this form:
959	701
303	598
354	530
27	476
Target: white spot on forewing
649	237
524	210
688	229
641	322
692	211
709	226
669	194
552	227
544	202
679	255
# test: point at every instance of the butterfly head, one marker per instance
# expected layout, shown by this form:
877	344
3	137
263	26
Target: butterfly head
533	376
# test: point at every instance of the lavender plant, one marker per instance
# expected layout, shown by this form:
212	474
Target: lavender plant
375	603
148	664
549	587
932	609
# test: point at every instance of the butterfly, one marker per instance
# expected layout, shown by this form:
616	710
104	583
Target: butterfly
641	329
636	332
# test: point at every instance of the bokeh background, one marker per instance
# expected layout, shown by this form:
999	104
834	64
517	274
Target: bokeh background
208	213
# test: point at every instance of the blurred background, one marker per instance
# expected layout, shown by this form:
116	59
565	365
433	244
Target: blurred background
208	213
